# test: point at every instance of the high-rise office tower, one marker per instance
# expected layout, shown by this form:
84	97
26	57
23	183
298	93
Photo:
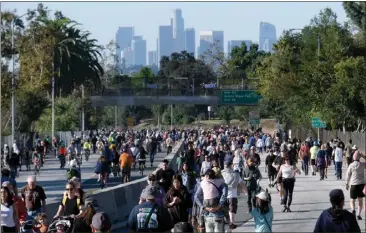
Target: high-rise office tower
267	36
165	41
177	23
124	37
190	40
237	43
138	46
208	38
127	57
152	58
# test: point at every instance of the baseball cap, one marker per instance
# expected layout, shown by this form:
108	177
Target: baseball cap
149	193
101	221
336	195
228	162
263	196
91	202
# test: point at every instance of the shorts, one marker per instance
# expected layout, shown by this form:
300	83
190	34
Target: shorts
356	191
312	162
233	204
126	170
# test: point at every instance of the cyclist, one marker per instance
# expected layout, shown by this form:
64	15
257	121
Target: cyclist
62	155
87	147
141	158
125	161
37	160
71	204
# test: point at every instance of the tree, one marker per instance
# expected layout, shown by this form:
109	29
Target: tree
226	113
356	11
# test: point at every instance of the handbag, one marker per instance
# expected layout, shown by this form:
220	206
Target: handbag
146	225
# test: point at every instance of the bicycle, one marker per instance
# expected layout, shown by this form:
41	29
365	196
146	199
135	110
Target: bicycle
37	166
142	166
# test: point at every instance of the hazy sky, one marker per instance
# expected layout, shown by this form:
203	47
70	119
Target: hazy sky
238	20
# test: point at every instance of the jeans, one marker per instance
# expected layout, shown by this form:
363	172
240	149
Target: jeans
288	188
338	168
306	166
321	171
32	214
214	224
152	156
251	198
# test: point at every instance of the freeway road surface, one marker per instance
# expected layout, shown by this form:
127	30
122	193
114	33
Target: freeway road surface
53	179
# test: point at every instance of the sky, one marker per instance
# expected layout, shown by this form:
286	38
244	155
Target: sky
238	20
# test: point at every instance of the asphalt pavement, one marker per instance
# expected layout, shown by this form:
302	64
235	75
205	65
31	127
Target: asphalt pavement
53	179
310	198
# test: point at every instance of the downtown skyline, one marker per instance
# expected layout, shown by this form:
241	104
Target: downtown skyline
236	19
176	38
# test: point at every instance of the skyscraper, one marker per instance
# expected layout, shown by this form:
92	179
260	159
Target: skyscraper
152	58
139	51
124	37
237	43
208	38
177	23
267	36
165	41
127	57
190	40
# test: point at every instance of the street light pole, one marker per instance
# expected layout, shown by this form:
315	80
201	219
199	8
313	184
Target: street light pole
53	92
13	84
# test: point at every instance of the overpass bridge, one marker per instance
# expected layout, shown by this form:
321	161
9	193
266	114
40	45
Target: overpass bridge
151	96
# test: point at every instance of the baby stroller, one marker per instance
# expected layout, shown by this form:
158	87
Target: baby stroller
27	227
63	224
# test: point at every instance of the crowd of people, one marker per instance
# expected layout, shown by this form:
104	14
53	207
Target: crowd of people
200	191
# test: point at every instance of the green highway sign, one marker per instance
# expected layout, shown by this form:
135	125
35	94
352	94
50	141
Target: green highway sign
317	123
239	97
254	121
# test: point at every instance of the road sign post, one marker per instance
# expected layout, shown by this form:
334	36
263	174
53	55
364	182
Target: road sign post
209	112
254	117
239	97
318	124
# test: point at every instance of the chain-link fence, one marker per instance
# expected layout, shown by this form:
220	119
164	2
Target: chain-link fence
358	138
22	138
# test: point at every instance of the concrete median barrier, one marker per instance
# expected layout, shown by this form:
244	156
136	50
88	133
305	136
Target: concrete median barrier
118	201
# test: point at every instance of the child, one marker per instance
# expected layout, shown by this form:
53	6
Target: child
41	225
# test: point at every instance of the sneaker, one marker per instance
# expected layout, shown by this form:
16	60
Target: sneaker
359	217
284	209
288	209
232	226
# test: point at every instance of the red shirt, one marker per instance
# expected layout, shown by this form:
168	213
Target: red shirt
21	208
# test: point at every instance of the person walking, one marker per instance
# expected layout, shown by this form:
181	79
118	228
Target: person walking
287	172
178	201
271	171
9	212
251	176
263	213
313	153
211	196
234	181
148	216
338	161
335	218
355	182
348	150
34	197
321	161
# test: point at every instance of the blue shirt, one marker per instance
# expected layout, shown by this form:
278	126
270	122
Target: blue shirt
263	222
11	180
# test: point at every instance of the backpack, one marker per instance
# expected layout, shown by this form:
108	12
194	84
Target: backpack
147	219
72	172
64	199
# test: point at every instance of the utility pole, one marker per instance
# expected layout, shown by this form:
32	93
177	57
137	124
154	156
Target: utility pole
12	84
83	110
53	92
318	64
